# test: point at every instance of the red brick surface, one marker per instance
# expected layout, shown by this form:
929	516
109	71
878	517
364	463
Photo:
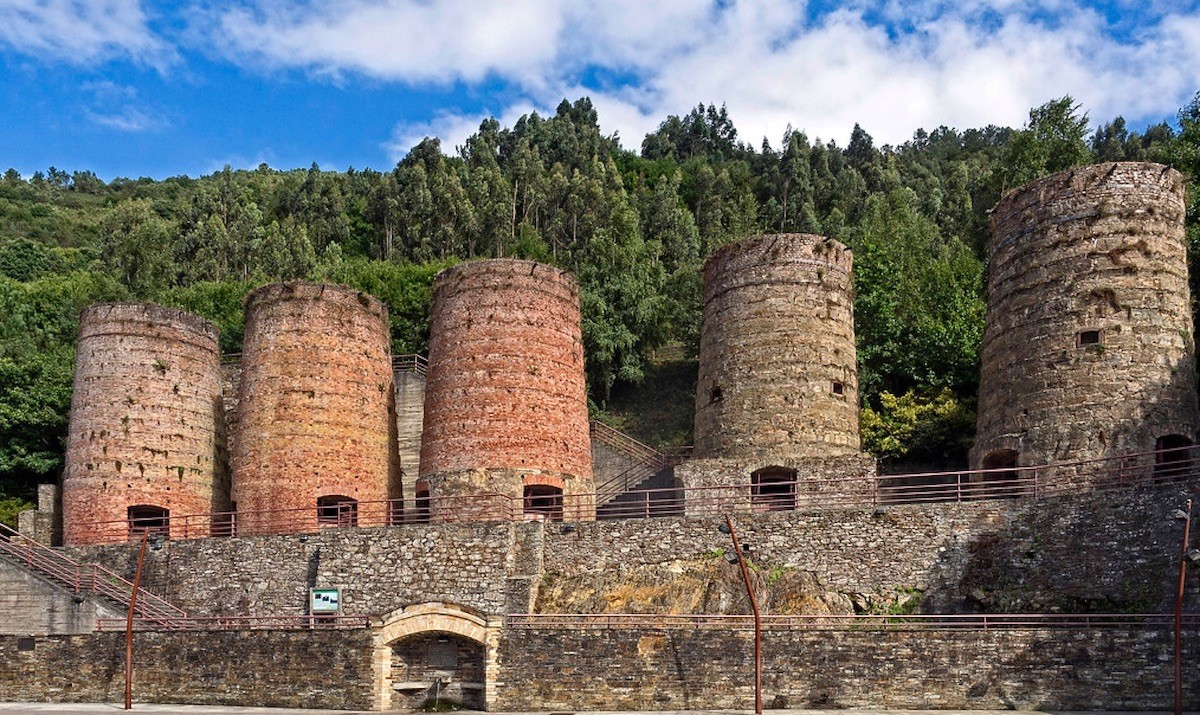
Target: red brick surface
145	421
315	414
505	391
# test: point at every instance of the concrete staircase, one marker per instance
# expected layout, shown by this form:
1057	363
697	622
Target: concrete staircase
633	478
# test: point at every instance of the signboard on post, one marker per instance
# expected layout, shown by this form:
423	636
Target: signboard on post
324	601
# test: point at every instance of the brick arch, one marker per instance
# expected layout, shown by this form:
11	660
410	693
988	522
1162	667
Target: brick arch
433	617
547	480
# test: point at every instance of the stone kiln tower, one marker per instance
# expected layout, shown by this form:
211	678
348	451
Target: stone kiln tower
1088	350
316	420
146	444
777	394
505	396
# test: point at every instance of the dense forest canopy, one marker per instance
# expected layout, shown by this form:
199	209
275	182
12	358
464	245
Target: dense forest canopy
635	228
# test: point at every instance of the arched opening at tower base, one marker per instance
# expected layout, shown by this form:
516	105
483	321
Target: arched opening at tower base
1172	457
148	519
1000	476
773	489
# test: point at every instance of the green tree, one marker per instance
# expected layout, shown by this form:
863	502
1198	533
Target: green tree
1053	140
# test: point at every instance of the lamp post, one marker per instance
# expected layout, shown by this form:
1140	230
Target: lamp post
738	557
137	581
1184	556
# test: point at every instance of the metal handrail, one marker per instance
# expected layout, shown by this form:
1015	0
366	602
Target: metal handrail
237	623
413	362
618	440
973	621
932	487
81	577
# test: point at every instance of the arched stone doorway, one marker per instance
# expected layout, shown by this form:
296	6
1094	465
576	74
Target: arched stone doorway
435	652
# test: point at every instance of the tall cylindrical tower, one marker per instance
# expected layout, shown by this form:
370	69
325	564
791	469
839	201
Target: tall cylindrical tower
777	361
505	396
146	446
316	421
1088	350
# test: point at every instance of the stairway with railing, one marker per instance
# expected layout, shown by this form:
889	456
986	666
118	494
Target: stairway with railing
650	468
58	568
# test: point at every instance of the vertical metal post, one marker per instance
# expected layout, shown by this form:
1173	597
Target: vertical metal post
137	580
1187	525
758	707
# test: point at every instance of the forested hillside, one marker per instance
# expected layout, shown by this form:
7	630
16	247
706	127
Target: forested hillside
635	228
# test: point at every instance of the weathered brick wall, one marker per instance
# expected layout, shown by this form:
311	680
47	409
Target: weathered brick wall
505	402
777	335
707	669
1101	248
316	407
146	426
295	669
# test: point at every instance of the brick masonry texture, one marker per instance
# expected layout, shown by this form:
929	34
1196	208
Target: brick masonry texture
294	669
690	669
146	426
1101	248
777	334
315	408
505	401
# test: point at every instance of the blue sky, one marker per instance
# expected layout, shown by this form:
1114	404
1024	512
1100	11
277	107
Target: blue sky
140	88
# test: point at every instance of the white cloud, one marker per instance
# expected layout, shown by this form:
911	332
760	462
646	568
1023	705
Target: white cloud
117	107
891	66
82	31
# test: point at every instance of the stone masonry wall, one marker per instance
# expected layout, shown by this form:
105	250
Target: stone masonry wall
1088	350
820	482
1105	551
316	409
777	356
296	669
379	570
713	669
31	605
146	425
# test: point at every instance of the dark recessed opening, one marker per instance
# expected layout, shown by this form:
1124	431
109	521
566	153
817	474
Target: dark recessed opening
839	388
544	500
1173	457
337	510
1001	478
716	394
422	502
148	519
773	489
1089	337
25	645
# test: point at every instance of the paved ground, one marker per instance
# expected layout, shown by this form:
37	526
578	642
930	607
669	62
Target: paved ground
72	708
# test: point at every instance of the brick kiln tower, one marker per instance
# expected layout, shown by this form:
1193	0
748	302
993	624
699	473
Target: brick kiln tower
777	395
146	444
505	396
1088	349
316	416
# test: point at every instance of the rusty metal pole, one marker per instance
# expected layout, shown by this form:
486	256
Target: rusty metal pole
1183	551
758	707
137	580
